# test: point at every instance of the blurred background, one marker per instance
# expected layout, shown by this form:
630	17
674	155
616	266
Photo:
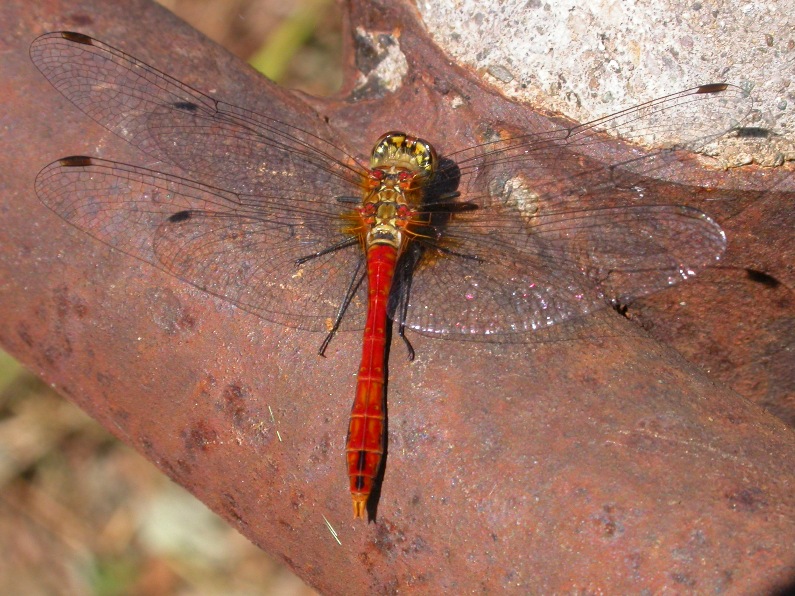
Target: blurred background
81	513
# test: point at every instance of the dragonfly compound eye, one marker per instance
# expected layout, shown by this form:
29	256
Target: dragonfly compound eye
399	150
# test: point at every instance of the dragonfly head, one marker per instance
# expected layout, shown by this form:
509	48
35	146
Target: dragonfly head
412	160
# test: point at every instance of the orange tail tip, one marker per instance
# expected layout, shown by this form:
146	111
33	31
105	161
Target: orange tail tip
359	505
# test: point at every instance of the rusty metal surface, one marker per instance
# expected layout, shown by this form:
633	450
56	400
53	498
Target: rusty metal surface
607	464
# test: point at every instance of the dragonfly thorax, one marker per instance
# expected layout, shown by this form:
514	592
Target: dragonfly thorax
400	166
383	226
385	215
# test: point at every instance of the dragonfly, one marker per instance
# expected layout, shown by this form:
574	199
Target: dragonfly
500	241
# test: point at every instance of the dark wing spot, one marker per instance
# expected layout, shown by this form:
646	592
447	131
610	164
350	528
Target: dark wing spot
77	38
75	161
180	216
712	88
187	106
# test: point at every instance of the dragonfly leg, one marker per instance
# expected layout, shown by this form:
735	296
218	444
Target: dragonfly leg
403	310
326	342
344	199
402	334
353	287
449	252
338	246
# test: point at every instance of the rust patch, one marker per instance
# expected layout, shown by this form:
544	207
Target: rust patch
607	522
24	335
749	500
201	437
66	303
233	403
168	312
231	510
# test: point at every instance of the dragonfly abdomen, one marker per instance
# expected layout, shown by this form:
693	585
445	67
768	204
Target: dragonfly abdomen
366	429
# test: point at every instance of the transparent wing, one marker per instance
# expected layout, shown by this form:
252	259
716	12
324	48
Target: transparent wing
218	143
557	233
511	275
241	248
575	165
683	120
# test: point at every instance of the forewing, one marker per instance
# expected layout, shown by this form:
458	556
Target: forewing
687	119
218	143
579	162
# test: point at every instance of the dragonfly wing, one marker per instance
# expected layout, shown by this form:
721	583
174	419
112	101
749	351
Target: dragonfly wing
504	272
231	148
578	163
170	121
499	294
241	248
686	119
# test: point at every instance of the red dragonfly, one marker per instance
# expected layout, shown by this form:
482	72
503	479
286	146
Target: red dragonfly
281	222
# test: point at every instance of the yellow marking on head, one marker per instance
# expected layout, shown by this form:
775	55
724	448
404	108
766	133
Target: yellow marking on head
397	149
